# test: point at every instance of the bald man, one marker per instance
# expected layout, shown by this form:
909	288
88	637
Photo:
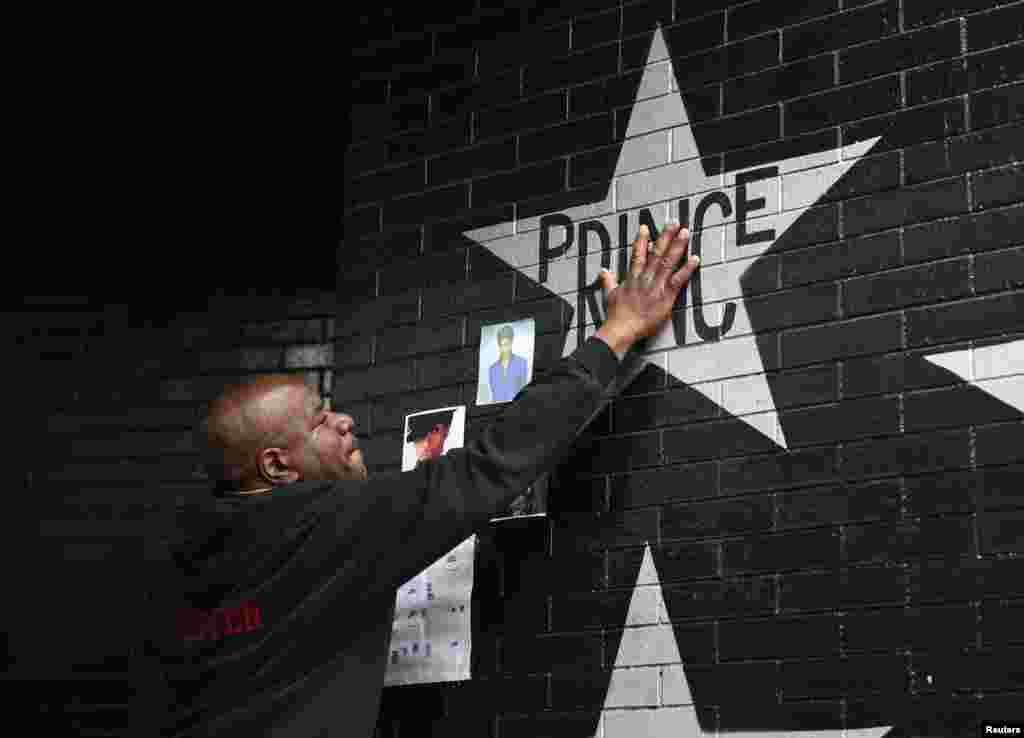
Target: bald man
274	431
271	614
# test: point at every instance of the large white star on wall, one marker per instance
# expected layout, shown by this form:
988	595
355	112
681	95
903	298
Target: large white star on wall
735	218
649	650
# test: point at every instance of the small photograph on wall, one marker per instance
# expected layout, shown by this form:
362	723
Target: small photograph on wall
431	433
506	360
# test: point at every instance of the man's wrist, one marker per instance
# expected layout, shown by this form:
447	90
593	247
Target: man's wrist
618	341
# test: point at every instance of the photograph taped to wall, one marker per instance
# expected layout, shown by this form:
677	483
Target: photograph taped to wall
431	433
506	360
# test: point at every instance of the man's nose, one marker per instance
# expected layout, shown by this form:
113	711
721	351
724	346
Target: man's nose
344	423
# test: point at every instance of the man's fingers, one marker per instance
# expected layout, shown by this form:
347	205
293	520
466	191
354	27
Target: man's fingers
676	251
652	265
656	271
639	260
681	277
609	281
668	233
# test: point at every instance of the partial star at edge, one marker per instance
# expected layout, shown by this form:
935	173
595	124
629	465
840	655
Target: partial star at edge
997	369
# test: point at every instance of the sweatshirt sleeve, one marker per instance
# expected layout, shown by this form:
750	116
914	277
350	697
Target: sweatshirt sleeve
375	535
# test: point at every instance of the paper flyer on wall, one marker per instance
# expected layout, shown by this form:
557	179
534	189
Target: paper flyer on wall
431	634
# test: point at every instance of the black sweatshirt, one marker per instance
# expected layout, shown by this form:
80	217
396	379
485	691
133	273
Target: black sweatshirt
271	615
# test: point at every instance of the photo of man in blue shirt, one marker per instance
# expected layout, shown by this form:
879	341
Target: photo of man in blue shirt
509	373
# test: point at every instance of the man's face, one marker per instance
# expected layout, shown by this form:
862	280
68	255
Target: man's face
325	445
505	346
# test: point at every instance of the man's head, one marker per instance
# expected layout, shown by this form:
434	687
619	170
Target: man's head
276	430
506	336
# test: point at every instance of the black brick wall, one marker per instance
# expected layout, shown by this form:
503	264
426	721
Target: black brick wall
106	456
867	575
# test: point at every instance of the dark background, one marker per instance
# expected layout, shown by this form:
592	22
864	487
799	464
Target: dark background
178	156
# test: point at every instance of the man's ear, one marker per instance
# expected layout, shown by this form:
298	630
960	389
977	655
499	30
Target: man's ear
273	466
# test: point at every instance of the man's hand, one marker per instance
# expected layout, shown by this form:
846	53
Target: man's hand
639	306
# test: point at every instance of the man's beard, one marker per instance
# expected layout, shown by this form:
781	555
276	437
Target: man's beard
358	466
334	470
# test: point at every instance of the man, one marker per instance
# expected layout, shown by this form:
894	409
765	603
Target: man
428	432
272	613
508	373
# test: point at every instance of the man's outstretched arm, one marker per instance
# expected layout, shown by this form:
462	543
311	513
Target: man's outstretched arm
389	529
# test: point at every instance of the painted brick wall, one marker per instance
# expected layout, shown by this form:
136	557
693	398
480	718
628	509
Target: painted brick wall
854	560
114	394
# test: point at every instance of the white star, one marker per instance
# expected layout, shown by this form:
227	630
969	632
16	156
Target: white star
649	639
659	166
997	369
